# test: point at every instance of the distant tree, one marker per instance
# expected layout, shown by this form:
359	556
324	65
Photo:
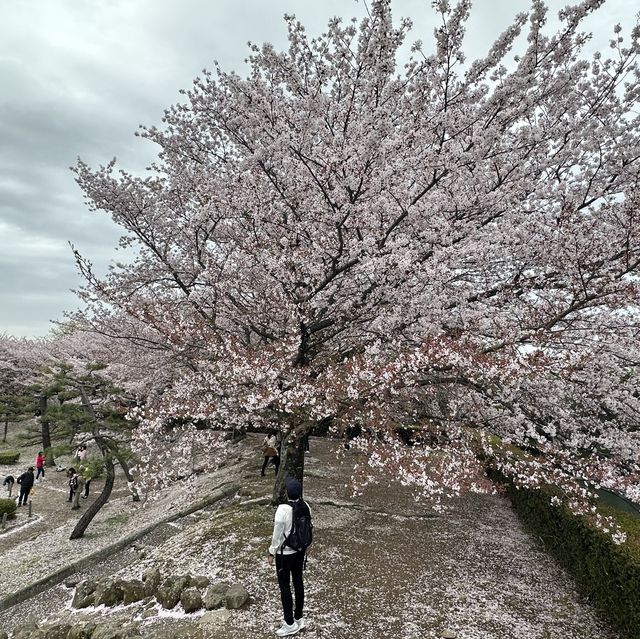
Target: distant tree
15	407
17	403
454	246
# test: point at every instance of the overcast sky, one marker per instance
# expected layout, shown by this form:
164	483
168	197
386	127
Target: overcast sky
77	77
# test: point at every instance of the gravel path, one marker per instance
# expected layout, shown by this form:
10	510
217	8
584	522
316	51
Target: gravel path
381	566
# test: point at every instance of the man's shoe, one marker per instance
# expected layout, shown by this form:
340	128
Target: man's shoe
300	623
287	629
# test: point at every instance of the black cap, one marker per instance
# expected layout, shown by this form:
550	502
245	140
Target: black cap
294	487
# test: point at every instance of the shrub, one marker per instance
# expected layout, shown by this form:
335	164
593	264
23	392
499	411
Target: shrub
8	506
9	457
607	573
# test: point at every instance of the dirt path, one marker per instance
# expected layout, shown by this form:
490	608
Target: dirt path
50	507
381	566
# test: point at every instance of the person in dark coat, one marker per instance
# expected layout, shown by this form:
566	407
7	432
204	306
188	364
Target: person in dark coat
73	482
25	481
9	481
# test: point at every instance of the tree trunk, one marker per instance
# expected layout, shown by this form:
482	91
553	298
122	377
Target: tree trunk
103	497
291	465
46	433
6	428
129	476
95	507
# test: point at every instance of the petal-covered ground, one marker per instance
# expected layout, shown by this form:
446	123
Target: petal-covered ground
381	566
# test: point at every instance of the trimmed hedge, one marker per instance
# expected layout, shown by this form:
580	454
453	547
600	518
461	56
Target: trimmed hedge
8	506
607	573
9	457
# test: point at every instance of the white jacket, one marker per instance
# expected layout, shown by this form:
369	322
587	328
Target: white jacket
281	529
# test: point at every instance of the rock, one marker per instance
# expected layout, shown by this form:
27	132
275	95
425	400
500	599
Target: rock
81	630
448	634
147	614
106	631
180	582
108	593
152	579
200	581
220	586
116	631
3	635
236	596
72	582
22	633
215	596
129	632
84	595
27	630
215	618
28	624
57	631
168	597
133	590
191	599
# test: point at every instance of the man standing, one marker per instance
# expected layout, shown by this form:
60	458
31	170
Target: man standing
26	484
292	525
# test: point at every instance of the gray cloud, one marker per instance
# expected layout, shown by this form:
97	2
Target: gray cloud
76	79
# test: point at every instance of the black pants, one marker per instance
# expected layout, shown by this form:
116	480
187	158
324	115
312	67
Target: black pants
276	463
86	488
289	567
40	471
24	495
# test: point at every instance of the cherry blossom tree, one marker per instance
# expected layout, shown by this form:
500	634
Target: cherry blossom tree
448	245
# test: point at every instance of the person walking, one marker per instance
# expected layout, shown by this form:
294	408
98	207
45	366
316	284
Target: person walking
290	519
9	481
73	482
78	489
87	482
40	459
25	481
270	451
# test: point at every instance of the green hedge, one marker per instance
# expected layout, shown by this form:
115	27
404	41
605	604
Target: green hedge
9	457
8	506
607	573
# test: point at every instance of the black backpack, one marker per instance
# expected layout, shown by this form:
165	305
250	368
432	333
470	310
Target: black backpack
301	535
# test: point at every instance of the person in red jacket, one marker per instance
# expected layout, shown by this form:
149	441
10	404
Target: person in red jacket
40	459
